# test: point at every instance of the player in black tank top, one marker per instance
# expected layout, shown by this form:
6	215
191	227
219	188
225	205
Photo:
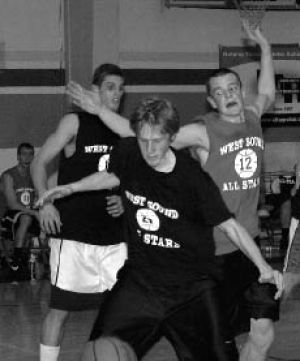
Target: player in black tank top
86	248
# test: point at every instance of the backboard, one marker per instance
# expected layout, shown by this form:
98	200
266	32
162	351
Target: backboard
229	4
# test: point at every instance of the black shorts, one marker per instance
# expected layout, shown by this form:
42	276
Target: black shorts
243	296
73	301
11	220
140	316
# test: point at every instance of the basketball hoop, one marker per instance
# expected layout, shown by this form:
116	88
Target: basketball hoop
251	11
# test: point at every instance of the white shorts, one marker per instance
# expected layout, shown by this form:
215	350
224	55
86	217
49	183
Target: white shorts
85	268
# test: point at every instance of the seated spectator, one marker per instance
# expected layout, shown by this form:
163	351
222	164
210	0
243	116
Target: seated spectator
283	189
19	193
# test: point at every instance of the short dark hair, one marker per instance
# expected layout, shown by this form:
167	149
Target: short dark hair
155	111
104	70
221	72
24	145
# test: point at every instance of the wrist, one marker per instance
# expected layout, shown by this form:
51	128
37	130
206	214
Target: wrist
265	269
266	48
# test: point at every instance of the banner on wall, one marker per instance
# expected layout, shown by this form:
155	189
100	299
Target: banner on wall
246	61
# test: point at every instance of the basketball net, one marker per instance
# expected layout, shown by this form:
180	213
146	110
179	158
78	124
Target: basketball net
253	13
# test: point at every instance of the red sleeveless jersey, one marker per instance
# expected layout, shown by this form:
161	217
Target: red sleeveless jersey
234	163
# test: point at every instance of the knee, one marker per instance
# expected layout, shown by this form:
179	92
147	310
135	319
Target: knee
262	333
25	221
56	317
108	349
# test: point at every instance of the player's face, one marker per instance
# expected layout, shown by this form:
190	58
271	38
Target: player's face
111	91
154	145
226	95
25	157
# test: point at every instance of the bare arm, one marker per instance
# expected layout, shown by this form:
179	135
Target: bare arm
189	135
297	173
96	181
65	132
11	199
192	135
89	101
266	82
239	236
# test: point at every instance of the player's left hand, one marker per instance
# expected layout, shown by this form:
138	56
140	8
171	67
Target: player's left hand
275	277
254	33
114	205
87	100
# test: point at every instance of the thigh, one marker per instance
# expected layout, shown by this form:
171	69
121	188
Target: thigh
259	301
238	275
251	298
108	349
76	266
111	260
132	314
198	330
75	276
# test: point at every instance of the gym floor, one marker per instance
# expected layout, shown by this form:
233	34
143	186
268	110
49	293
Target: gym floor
23	305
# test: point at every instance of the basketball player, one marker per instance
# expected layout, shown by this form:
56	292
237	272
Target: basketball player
292	259
228	144
86	248
167	287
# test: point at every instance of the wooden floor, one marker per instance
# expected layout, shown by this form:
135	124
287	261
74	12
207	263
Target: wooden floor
23	306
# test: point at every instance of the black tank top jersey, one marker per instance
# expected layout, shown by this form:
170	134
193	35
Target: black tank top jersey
83	215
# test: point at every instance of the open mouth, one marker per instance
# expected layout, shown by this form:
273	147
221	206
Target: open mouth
231	104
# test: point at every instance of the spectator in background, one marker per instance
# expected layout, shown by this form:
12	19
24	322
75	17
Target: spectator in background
284	188
19	194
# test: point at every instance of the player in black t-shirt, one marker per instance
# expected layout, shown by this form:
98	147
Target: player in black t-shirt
168	286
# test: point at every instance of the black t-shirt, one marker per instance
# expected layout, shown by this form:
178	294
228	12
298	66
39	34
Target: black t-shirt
168	216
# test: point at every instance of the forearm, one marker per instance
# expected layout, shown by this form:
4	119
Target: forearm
297	173
96	181
293	226
266	81
241	238
16	206
39	177
115	122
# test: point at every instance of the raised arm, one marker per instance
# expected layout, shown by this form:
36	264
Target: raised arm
266	81
238	235
192	135
89	101
189	135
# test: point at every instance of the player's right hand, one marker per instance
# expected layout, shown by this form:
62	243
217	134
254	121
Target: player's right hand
87	100
49	219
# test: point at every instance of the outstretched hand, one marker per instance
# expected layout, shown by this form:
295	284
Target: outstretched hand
87	100
254	33
275	277
50	195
